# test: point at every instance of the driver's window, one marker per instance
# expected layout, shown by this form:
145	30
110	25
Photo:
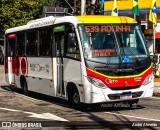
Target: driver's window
72	48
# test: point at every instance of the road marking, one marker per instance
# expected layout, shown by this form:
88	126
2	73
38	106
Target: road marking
7	109
132	116
48	116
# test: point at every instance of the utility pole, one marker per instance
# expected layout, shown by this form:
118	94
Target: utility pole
83	7
93	2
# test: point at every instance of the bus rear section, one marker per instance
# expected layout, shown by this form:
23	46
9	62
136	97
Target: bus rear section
117	63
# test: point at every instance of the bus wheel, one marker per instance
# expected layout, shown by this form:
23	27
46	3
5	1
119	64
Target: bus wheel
25	88
132	102
74	98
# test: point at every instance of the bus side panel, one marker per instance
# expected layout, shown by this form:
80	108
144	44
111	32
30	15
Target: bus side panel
12	67
40	67
73	73
39	85
40	75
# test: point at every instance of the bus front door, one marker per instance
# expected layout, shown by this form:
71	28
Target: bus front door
11	58
59	39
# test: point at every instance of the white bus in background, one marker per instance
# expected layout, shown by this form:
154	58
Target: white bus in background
87	59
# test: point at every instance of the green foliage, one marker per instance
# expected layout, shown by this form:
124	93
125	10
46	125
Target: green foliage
19	12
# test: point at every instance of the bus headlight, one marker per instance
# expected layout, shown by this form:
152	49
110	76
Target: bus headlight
148	79
96	82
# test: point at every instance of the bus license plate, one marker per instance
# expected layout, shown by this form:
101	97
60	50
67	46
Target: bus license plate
126	96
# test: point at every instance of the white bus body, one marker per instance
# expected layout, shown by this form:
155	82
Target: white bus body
66	72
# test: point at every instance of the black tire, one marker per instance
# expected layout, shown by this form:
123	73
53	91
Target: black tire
1	59
132	102
25	88
74	98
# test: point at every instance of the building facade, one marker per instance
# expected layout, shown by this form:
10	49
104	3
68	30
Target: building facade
125	9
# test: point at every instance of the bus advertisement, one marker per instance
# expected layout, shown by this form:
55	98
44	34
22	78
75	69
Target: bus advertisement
83	59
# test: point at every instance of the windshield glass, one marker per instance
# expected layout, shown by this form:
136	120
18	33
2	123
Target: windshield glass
113	43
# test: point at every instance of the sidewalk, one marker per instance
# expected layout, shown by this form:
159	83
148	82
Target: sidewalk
156	87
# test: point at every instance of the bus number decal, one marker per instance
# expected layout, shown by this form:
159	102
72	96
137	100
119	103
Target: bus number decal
108	28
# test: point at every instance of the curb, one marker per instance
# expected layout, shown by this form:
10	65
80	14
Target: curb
156	91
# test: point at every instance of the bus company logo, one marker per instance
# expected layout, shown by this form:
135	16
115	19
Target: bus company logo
111	81
125	70
36	67
42	24
47	68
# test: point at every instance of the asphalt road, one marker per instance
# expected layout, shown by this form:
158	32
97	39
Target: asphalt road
44	112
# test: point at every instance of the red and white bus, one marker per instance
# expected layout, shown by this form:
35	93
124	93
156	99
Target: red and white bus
88	59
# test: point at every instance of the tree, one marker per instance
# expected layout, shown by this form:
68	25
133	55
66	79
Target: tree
19	12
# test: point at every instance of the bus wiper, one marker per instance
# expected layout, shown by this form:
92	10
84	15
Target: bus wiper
137	60
118	47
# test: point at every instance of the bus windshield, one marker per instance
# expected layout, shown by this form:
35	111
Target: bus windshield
113	42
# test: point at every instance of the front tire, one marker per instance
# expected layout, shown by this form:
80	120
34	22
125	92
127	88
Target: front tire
74	97
133	103
24	86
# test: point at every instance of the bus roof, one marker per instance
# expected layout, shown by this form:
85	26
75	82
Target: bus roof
105	19
87	19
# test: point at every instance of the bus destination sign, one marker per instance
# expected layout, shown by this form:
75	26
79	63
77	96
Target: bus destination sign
107	28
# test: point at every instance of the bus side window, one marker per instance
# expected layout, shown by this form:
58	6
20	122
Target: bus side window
20	44
72	43
11	42
31	43
45	42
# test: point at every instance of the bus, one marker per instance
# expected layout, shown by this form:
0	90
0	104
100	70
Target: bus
83	59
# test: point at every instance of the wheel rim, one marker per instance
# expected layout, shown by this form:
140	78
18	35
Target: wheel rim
76	98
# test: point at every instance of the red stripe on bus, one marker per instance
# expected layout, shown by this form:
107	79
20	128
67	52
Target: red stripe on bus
122	81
